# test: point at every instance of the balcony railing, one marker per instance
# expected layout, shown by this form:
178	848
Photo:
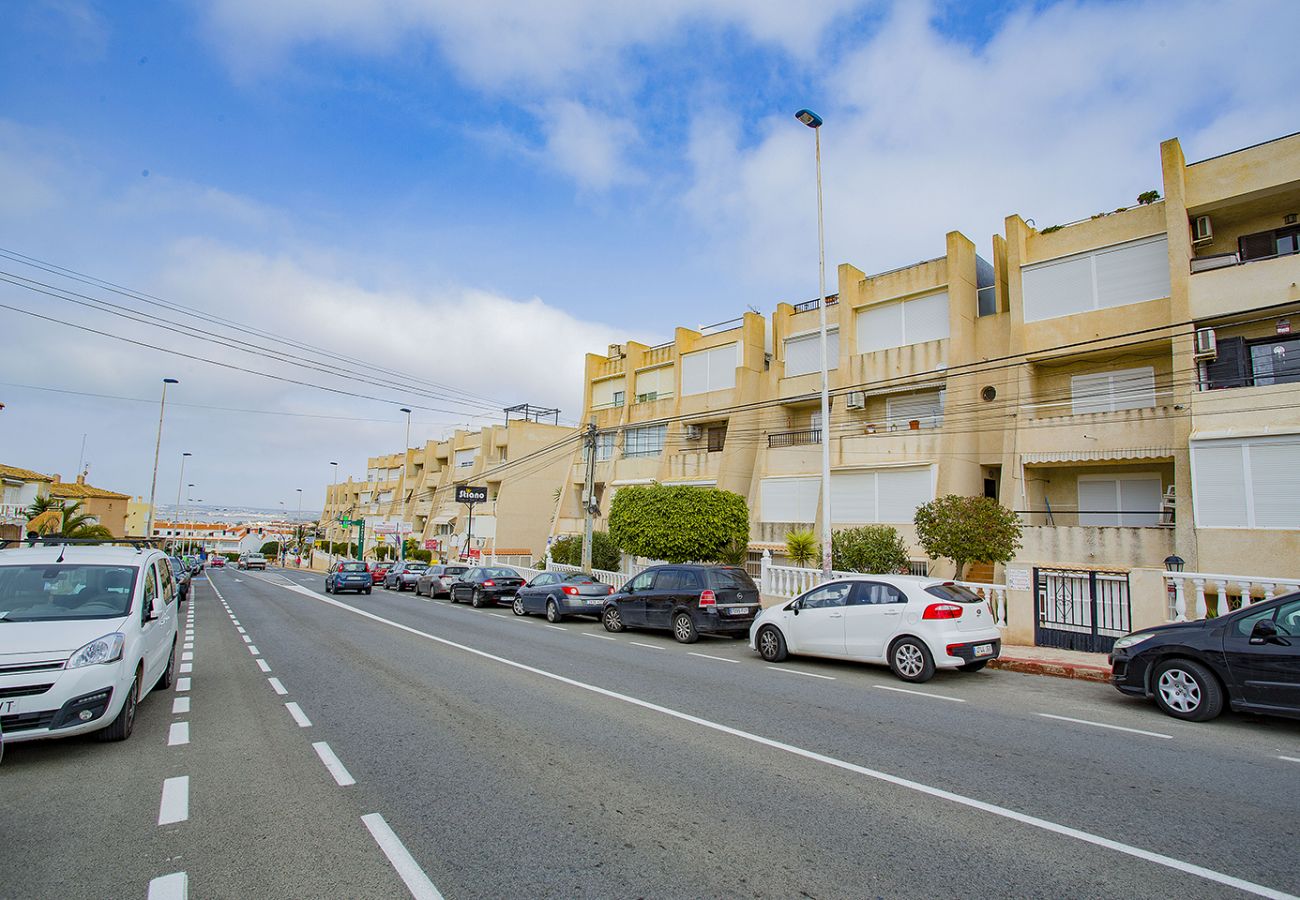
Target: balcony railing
1229	592
794	438
13	512
810	305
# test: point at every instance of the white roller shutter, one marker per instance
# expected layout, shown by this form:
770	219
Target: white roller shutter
1098	502
1112	391
803	354
1133	273
1219	484
1275	483
1058	288
710	370
925	318
602	392
899	324
925	407
465	458
695	373
880	327
1139	501
1110	276
853	497
657	382
1130	500
900	491
789	499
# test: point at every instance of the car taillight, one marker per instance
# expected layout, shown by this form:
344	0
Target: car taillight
942	611
489	583
708	598
610	589
571	591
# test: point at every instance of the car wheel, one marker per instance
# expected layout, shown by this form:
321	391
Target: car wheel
1187	690
328	589
553	613
612	620
168	677
517	607
911	661
771	644
476	599
684	629
120	728
974	665
368	592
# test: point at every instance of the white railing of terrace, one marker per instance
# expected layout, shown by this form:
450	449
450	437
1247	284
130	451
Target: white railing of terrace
1244	589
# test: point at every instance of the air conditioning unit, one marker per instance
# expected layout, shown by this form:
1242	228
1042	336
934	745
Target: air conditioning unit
694	432
1206	345
617	351
856	400
1202	230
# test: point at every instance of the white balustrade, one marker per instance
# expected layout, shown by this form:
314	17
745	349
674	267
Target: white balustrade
1248	589
617	579
995	595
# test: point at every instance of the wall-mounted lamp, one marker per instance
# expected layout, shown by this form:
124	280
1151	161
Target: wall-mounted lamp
1289	218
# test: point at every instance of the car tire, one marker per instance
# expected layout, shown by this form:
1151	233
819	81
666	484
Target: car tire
612	620
517	607
1187	690
328	589
974	665
476	599
771	644
911	661
553	614
368	591
120	728
168	677
684	629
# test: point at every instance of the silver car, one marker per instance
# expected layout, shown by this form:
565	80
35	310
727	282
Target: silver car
436	581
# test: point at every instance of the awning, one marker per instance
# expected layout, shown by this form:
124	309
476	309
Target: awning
442	520
1077	456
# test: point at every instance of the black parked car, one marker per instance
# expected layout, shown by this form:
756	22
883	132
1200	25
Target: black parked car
436	581
484	585
181	574
559	595
404	575
1250	657
348	576
687	600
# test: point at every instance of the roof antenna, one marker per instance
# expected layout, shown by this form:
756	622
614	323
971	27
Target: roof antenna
63	548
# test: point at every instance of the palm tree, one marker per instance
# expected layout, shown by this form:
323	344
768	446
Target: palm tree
802	548
75	523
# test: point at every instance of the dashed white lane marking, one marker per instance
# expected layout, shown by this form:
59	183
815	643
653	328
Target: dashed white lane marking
417	882
182	684
240	630
797	672
253	650
247	639
603	637
233	619
992	809
178	734
885	687
298	715
187	667
707	656
647	646
1289	758
187	656
1168	737
335	766
557	627
180	705
188	645
175	805
277	686
175	886
261	664
498	615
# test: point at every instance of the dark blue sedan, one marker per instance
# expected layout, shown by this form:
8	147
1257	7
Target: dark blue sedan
558	595
348	576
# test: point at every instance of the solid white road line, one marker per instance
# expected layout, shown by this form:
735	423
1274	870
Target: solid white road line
178	734
647	646
298	715
261	664
1167	737
557	627
180	705
253	650
707	656
885	687
277	686
603	637
993	809
182	684
1289	758
417	882
333	764
175	886
175	805
187	667
797	672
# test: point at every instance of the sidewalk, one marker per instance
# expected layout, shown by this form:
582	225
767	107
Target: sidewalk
1051	661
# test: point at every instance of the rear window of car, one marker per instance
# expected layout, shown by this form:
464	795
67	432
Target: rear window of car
582	579
731	579
500	573
455	570
416	567
953	593
353	567
51	593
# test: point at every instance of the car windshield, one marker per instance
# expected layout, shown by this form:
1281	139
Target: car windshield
353	567
48	593
500	573
954	593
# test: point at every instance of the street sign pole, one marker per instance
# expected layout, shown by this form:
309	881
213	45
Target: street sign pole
470	495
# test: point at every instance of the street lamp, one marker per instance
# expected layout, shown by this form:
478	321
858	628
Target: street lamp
335	500
406	455
189	534
153	485
180	481
814	121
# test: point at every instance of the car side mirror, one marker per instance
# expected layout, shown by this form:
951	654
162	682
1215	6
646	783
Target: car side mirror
1265	632
795	607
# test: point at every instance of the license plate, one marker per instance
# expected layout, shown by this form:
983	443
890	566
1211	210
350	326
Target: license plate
738	612
592	601
983	649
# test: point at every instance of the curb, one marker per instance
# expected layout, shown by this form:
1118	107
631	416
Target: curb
1076	671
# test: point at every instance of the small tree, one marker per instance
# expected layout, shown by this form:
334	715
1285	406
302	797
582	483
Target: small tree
270	548
802	549
677	524
567	551
875	549
967	529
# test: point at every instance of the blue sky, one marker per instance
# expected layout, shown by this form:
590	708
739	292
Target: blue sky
380	176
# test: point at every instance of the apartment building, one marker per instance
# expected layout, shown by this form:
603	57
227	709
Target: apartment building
105	507
19	489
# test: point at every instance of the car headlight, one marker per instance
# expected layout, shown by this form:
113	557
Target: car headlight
106	649
1131	640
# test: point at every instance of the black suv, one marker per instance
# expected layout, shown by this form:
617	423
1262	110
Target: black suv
688	600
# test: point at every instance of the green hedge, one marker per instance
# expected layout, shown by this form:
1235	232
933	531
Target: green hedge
678	524
604	552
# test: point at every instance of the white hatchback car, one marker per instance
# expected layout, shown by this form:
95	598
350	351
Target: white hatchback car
914	625
86	631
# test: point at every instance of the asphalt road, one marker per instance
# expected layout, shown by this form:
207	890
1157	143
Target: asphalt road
474	754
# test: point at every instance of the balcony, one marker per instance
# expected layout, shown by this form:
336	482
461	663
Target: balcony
1234	287
794	438
1098	545
13	514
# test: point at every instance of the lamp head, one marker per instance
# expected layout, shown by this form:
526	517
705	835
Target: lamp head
809	118
171	381
405	410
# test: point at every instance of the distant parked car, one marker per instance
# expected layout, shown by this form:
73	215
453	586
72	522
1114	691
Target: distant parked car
687	600
252	561
912	624
558	595
192	563
486	585
379	571
1250	658
348	576
181	575
404	574
436	581
217	562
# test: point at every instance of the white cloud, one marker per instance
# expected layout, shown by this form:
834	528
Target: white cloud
587	146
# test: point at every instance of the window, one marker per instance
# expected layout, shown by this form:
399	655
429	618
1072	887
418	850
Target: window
150	594
645	441
873	593
803	354
168	584
717	435
608	392
898	324
618	398
653	384
682	581
1275	361
710	370
465	458
642	582
789	499
1266	244
1111	276
925	407
1131	500
827	596
1112	391
880	495
543	580
604	445
1246	483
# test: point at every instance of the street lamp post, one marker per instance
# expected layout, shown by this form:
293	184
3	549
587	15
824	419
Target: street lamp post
189	534
814	121
335	500
299	531
179	482
153	485
406	456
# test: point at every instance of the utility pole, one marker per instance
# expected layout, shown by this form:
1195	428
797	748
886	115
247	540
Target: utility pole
588	493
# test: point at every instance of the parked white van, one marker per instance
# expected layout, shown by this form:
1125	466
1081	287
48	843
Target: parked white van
86	632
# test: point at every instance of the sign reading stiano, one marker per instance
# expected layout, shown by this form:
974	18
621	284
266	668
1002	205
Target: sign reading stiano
469	494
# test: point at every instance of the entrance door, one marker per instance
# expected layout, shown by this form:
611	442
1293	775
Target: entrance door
1080	610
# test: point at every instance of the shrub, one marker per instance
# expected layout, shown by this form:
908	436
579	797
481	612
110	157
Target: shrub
875	549
802	549
678	524
968	529
420	554
604	552
270	548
